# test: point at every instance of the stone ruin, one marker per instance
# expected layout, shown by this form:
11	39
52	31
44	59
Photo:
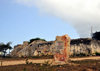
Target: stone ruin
36	48
79	46
61	49
86	46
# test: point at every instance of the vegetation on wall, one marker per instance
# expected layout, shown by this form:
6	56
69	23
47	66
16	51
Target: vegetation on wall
34	39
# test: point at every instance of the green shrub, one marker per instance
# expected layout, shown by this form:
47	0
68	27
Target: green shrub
34	39
30	63
97	54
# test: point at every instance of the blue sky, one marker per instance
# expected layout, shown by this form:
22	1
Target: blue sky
20	23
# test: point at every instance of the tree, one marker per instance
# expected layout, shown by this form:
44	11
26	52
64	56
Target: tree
5	47
96	36
34	39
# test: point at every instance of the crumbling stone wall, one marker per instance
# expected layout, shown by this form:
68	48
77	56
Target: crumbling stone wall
27	50
85	46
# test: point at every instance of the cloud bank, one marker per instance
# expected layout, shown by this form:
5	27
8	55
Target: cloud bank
81	14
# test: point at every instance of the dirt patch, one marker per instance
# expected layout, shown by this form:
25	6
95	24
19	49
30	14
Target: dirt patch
86	58
17	61
86	65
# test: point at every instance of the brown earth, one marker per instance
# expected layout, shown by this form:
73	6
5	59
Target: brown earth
85	65
76	64
17	61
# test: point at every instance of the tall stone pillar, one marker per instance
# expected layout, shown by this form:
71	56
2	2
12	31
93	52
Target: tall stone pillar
61	49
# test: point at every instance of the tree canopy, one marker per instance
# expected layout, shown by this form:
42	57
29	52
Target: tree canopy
34	39
96	36
5	47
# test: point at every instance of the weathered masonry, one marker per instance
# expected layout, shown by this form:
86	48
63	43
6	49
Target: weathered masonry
61	49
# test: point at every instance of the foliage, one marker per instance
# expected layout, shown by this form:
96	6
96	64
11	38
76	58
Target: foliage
97	54
5	47
34	39
96	35
30	63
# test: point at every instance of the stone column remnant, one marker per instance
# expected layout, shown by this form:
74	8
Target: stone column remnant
62	49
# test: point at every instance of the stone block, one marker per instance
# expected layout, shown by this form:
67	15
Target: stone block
61	49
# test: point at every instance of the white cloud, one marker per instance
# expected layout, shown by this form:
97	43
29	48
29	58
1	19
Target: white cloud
82	14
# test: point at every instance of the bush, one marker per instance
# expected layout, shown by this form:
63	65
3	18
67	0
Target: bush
96	35
34	39
97	54
30	63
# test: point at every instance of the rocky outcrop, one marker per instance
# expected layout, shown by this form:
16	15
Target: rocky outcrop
84	46
42	47
39	47
18	48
